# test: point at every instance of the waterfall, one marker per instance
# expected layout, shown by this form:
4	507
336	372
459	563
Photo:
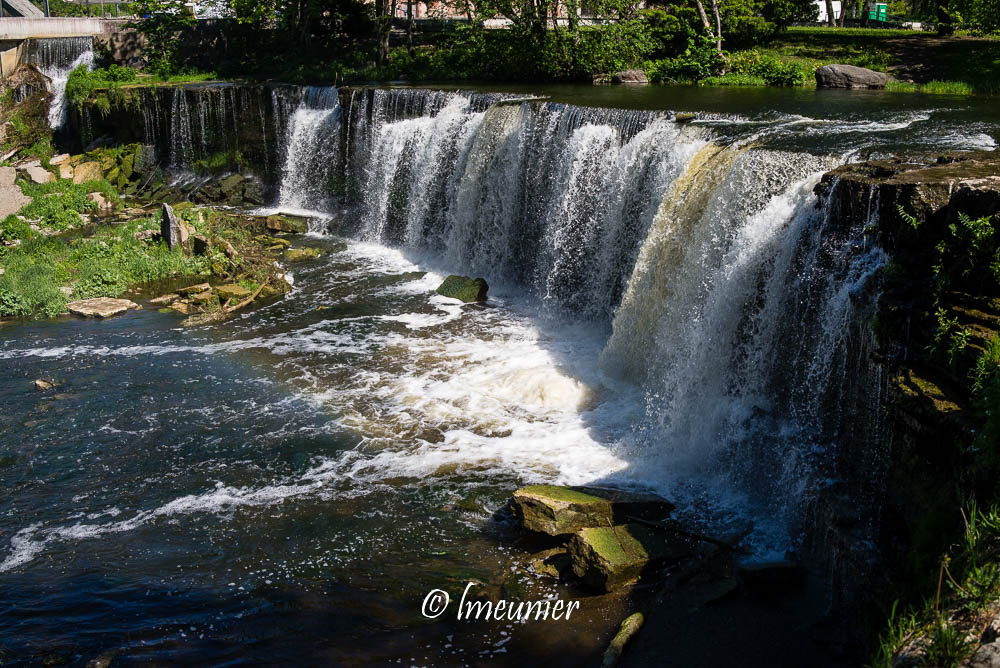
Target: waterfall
731	296
56	57
312	151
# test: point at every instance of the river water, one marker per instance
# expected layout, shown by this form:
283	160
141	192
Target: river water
669	309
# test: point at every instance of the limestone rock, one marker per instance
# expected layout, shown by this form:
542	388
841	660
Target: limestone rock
301	254
464	288
986	656
103	205
230	185
182	307
554	562
66	290
87	171
563	510
100	307
7	176
630	77
165	299
11	197
253	192
609	558
194	289
147	235
172	228
684	117
39	174
59	159
43	384
849	76
284	223
66	171
232	291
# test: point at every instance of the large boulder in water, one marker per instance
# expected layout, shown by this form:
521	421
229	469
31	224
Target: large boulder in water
286	223
630	77
100	307
611	557
849	76
464	288
564	510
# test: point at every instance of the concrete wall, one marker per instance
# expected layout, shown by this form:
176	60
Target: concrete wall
10	57
20	28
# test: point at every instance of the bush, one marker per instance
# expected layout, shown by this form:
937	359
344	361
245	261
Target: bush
695	64
742	32
82	82
773	71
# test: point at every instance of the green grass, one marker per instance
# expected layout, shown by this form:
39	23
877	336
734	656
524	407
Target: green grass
734	79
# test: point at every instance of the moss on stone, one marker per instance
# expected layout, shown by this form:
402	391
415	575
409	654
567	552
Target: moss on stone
464	288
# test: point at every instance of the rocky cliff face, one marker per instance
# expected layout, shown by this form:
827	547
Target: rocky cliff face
937	325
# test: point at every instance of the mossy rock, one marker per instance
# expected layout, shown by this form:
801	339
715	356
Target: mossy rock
339	247
231	185
232	291
301	254
608	558
464	288
128	165
558	510
284	223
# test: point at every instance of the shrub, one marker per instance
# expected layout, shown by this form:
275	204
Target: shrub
773	71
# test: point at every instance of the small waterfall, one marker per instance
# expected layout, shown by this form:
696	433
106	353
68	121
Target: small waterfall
56	57
312	152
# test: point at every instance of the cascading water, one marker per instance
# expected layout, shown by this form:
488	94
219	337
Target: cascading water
312	152
56	57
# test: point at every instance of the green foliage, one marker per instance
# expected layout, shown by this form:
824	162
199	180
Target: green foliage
165	18
218	163
909	219
899	629
773	71
948	645
12	228
696	63
58	204
82	83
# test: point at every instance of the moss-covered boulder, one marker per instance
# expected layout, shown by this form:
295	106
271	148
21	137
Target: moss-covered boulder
232	291
285	223
608	558
464	288
87	171
301	254
556	510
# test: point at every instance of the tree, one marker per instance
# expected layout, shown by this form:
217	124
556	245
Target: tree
161	21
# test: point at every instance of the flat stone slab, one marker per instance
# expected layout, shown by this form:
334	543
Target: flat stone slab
100	307
609	558
39	174
232	291
558	510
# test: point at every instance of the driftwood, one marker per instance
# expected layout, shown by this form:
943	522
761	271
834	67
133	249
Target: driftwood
221	314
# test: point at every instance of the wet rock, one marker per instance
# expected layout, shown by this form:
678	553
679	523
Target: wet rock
230	185
104	660
554	563
464	288
849	76
100	307
284	223
183	308
609	558
172	228
630	77
232	291
338	247
558	510
44	384
684	117
770	577
87	171
165	299
203	297
253	192
39	174
629	627
301	254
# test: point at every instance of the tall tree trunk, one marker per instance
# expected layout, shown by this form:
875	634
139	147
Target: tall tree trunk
831	20
409	26
843	12
718	26
704	16
865	8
